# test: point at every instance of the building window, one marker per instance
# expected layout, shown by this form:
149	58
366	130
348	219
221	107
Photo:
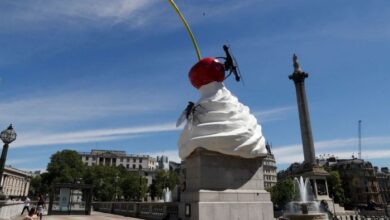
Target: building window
140	167
133	166
134	160
87	158
127	166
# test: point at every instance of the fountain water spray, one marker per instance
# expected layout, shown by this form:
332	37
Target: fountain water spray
304	207
304	189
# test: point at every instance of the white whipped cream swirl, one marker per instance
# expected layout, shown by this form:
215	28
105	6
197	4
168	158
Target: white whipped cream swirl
222	124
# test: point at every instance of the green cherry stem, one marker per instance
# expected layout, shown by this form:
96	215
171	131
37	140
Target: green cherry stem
187	27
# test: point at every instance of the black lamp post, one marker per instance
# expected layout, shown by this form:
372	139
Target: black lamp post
7	136
116	183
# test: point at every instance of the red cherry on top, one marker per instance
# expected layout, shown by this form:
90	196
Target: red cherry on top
206	71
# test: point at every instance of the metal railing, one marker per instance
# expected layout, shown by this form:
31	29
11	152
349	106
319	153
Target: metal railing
147	210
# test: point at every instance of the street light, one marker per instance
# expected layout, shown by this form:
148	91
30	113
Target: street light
116	182
7	136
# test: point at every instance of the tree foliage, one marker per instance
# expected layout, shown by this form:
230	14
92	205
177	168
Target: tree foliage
39	185
109	183
282	193
65	167
133	187
115	183
335	186
164	179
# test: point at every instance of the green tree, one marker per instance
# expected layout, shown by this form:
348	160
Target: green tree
65	167
335	186
104	182
165	179
282	193
35	185
114	183
130	186
39	184
134	186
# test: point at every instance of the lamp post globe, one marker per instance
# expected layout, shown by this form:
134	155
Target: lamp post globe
7	136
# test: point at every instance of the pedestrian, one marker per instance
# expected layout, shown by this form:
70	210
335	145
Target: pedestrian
40	206
26	205
31	215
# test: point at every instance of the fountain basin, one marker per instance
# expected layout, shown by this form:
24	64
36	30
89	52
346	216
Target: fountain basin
309	216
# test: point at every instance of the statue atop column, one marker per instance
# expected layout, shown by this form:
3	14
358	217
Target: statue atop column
297	68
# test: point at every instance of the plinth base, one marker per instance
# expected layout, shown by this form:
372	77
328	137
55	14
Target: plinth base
222	187
226	205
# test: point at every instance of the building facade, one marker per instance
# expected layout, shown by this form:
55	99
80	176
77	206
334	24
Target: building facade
383	178
269	169
118	158
359	182
163	162
15	182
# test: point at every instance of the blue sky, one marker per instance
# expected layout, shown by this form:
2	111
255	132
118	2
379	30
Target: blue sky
113	74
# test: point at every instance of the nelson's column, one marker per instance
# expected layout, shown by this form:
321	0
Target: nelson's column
309	168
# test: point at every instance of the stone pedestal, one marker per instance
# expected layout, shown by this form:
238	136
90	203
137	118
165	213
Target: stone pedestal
222	187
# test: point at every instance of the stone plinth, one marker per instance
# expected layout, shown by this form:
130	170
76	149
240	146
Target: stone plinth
224	187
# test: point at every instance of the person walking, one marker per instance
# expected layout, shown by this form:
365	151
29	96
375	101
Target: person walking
26	205
40	206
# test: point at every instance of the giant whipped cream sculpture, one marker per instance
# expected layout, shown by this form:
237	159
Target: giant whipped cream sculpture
218	121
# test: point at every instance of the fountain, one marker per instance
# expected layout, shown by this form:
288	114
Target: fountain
304	207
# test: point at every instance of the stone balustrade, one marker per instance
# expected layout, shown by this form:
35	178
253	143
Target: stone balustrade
148	210
10	209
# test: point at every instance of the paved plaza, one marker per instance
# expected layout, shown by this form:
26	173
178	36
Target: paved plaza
93	216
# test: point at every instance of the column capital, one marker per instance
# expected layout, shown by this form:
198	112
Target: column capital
298	75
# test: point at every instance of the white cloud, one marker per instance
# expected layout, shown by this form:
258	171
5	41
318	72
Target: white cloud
39	139
39	13
56	110
14	162
78	107
342	148
273	114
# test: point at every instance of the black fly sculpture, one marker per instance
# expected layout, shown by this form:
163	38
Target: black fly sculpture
230	64
188	114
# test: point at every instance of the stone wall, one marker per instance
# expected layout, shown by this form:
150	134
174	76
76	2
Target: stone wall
8	210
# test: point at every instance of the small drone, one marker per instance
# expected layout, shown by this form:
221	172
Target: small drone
230	64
